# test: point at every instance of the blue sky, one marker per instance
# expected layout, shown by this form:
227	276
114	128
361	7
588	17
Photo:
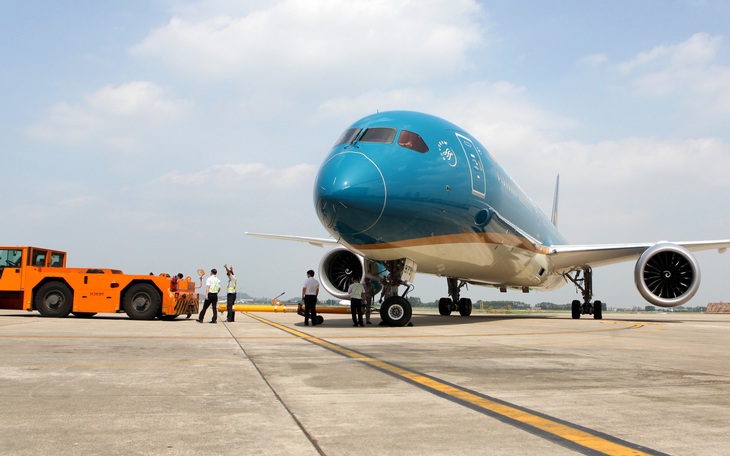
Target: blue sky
149	135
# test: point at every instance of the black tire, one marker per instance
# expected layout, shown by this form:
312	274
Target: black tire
576	309
598	310
396	311
445	306
142	302
84	314
168	317
54	299
320	319
465	307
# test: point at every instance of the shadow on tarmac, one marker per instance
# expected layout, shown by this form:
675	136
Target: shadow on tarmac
418	319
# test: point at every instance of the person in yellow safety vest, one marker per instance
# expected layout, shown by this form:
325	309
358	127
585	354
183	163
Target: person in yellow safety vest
355	291
231	295
212	287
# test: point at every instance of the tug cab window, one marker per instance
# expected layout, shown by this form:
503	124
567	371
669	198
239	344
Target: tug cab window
412	141
57	259
39	257
10	258
378	135
348	136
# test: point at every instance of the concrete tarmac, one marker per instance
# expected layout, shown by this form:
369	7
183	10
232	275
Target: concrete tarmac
266	384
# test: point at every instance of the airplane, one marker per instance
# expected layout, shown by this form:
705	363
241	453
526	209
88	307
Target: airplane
404	191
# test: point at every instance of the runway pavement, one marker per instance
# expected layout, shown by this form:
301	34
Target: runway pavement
266	384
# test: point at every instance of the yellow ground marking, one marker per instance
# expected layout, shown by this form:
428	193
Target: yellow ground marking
544	426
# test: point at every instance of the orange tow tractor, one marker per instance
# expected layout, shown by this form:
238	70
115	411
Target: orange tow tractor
37	279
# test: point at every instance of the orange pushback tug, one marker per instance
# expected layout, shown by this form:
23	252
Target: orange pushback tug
32	278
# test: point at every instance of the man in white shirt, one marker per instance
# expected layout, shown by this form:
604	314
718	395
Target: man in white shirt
356	304
212	287
310	291
231	294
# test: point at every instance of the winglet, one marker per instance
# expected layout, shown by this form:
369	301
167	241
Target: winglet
554	216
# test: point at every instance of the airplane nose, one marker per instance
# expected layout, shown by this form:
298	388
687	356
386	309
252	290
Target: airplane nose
349	193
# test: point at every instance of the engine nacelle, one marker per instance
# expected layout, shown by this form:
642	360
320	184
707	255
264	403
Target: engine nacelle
667	275
339	267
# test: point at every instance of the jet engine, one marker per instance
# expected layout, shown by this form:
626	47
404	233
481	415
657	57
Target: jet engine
667	275
339	267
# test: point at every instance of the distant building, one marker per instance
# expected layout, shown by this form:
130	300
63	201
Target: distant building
718	308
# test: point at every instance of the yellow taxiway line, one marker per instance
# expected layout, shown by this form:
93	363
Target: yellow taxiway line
553	429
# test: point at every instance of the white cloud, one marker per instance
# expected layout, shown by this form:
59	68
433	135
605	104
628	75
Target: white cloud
315	44
113	115
697	51
688	69
244	176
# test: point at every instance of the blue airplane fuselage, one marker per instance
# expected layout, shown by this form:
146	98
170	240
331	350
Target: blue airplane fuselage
404	184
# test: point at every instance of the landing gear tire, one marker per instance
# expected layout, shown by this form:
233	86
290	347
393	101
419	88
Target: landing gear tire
396	311
54	299
576	309
142	302
465	307
598	310
445	306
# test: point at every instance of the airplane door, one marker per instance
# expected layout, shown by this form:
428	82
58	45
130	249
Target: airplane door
476	167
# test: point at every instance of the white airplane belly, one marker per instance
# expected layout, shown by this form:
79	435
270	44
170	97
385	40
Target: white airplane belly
486	263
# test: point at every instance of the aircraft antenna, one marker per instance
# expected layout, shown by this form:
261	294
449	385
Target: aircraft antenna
554	216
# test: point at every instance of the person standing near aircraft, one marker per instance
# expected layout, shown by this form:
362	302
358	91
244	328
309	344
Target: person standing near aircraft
231	294
310	291
369	292
212	287
356	291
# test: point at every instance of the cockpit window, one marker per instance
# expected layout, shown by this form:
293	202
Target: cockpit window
412	141
379	135
348	136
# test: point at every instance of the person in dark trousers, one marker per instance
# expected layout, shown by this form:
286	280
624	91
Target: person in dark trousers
212	287
369	294
231	294
310	291
355	291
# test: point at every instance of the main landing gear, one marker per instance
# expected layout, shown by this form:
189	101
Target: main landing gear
454	302
585	285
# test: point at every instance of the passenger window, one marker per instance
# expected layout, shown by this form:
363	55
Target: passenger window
378	135
412	141
348	136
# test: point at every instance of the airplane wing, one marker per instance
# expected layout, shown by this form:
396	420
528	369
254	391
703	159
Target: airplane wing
318	242
566	257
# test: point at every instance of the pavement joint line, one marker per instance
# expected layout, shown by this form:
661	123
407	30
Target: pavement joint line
566	434
113	364
291	413
48	336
